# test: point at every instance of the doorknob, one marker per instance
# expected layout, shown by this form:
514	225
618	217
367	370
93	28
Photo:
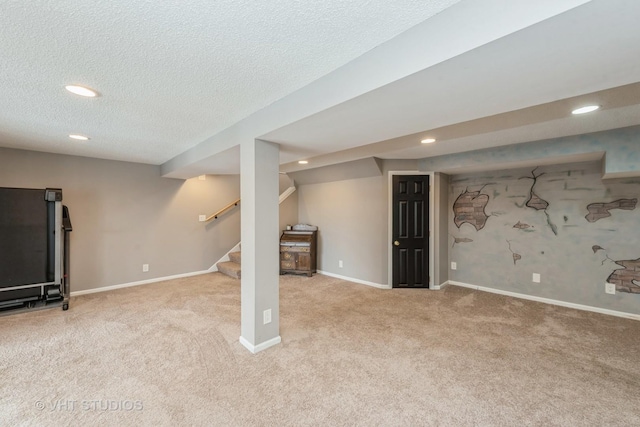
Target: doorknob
396	243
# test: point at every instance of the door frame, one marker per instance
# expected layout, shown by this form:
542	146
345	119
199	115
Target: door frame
390	224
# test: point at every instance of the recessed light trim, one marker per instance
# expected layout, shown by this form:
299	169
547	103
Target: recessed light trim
82	91
586	109
428	140
79	137
303	162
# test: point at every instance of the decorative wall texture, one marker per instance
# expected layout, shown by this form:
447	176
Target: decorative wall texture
562	221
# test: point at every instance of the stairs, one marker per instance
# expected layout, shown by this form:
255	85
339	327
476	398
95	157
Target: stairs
231	268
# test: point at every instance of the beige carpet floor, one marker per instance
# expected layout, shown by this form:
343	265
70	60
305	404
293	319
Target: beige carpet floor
168	354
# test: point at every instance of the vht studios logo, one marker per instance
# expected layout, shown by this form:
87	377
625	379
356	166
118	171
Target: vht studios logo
98	405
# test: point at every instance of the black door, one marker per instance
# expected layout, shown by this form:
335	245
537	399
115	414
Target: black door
410	231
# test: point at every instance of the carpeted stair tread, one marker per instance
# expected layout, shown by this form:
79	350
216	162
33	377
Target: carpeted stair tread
230	268
235	256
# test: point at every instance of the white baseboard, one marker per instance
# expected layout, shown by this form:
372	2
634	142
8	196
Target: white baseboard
224	258
351	279
262	346
549	301
141	282
440	286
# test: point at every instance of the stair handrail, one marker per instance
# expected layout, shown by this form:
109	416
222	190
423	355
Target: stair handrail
285	194
223	210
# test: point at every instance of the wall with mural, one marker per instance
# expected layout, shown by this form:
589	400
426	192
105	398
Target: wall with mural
562	222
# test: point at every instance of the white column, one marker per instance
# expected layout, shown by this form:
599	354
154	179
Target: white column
259	165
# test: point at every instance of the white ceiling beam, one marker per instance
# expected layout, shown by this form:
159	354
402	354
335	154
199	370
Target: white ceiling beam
459	29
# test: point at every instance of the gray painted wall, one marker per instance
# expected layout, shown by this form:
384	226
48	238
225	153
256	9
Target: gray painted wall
352	219
441	238
289	211
571	266
125	215
289	207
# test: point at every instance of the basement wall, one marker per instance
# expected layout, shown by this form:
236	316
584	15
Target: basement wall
506	225
289	206
125	215
352	217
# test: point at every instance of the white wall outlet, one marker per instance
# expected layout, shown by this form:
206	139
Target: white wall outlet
266	316
340	263
202	218
145	268
454	266
535	278
610	288
202	177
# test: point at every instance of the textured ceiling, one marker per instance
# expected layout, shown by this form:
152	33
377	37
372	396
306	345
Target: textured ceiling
183	83
430	76
171	73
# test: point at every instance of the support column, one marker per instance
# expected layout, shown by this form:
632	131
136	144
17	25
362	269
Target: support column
260	280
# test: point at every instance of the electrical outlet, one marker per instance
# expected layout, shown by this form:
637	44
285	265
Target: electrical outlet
535	278
454	266
340	263
266	316
610	288
145	268
202	218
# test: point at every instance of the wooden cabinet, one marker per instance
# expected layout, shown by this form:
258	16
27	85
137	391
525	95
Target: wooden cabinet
298	252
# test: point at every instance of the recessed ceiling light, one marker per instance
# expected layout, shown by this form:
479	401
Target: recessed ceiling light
82	91
79	137
428	140
587	109
303	162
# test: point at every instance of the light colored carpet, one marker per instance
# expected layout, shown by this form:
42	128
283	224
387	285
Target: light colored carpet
168	354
